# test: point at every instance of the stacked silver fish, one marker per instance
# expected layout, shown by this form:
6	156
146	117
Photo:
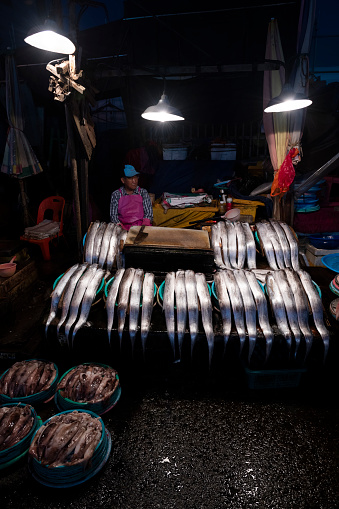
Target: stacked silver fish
233	245
74	294
130	289
290	290
103	244
292	294
76	290
240	294
279	244
185	294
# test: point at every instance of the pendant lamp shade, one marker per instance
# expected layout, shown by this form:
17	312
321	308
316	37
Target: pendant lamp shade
162	112
288	100
48	37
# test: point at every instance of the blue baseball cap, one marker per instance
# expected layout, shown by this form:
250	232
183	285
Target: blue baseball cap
130	171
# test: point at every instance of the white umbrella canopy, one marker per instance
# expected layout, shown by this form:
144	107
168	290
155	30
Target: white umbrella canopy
300	72
19	159
284	130
275	124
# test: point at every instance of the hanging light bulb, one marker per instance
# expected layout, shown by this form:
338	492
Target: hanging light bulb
49	38
162	112
288	100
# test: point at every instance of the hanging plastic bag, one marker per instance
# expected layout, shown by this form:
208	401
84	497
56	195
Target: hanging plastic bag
285	175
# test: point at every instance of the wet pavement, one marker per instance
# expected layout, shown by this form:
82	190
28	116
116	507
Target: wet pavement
177	444
186	438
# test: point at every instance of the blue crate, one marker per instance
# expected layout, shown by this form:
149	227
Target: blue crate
274	378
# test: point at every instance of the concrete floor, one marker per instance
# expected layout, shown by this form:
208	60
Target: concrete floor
184	438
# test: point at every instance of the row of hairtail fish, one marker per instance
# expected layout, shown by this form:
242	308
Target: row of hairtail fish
74	295
132	290
103	244
185	294
242	301
279	244
292	296
233	245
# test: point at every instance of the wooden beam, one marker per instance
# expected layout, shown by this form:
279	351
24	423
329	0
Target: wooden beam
190	70
75	181
65	79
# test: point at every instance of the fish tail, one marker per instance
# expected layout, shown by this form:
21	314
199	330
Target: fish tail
193	339
132	338
172	341
180	341
143	344
225	346
251	349
308	341
242	342
326	348
75	330
269	343
210	354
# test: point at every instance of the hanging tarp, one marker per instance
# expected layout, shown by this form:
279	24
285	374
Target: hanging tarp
19	159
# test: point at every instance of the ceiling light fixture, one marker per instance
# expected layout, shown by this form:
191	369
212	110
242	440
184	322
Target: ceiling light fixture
163	111
48	37
288	100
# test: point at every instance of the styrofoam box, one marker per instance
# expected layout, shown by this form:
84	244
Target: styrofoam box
315	255
223	154
174	154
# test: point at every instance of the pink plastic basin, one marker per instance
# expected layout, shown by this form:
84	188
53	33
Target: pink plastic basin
7	269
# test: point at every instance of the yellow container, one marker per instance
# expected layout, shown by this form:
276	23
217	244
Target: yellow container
247	207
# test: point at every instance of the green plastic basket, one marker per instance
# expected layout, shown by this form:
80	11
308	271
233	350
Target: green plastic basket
13	454
99	408
65	476
38	397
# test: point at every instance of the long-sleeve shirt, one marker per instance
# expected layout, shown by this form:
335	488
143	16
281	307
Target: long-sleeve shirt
146	201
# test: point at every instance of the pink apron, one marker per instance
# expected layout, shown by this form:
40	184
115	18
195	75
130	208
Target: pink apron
130	210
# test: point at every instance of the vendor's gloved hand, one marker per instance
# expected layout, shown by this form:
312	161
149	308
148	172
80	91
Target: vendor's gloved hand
146	222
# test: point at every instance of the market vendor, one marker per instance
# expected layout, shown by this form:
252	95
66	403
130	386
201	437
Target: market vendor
131	204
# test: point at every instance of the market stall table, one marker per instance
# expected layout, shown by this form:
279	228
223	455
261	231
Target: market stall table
181	218
91	343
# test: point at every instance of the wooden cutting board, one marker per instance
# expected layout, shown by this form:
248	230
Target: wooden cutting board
169	238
